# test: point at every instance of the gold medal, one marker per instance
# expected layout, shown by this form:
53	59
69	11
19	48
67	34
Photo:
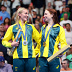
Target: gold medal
44	44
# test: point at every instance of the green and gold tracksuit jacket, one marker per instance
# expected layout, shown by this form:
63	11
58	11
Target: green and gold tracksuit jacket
22	51
56	35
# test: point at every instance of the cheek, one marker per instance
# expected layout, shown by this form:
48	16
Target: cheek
24	16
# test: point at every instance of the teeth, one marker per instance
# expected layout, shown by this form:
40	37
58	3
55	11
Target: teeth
26	17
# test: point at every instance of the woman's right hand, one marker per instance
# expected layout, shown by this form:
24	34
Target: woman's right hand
14	43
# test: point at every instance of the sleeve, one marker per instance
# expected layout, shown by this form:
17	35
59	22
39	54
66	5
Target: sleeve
36	36
7	37
62	38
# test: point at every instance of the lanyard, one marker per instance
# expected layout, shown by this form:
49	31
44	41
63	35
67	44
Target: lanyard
25	31
47	32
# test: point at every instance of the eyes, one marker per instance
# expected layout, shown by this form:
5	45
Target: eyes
63	63
45	13
26	13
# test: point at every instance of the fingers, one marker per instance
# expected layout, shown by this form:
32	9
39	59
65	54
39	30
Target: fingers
15	40
15	43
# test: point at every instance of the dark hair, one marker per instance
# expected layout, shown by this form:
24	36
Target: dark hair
37	20
39	15
67	24
67	6
66	60
17	7
9	23
70	44
3	6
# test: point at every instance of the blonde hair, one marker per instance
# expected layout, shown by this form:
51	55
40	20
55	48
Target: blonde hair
19	11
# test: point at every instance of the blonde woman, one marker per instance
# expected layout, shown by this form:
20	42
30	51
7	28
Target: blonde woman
24	54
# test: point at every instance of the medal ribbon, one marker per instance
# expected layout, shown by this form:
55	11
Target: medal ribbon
47	32
25	31
20	35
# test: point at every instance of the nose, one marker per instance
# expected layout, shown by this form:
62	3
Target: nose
44	16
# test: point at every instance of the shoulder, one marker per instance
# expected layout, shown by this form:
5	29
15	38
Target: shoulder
7	65
30	25
59	27
62	21
10	27
68	56
1	12
6	12
69	69
43	27
13	25
71	31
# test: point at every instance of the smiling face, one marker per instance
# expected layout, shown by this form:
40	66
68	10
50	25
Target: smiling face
24	15
47	16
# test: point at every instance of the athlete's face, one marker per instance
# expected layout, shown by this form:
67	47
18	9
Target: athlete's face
47	16
24	15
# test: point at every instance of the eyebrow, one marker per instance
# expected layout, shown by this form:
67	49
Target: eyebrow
45	13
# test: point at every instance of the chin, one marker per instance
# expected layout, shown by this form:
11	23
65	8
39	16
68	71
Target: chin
46	20
25	20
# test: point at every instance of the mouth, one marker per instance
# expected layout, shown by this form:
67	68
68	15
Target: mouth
45	18
26	17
